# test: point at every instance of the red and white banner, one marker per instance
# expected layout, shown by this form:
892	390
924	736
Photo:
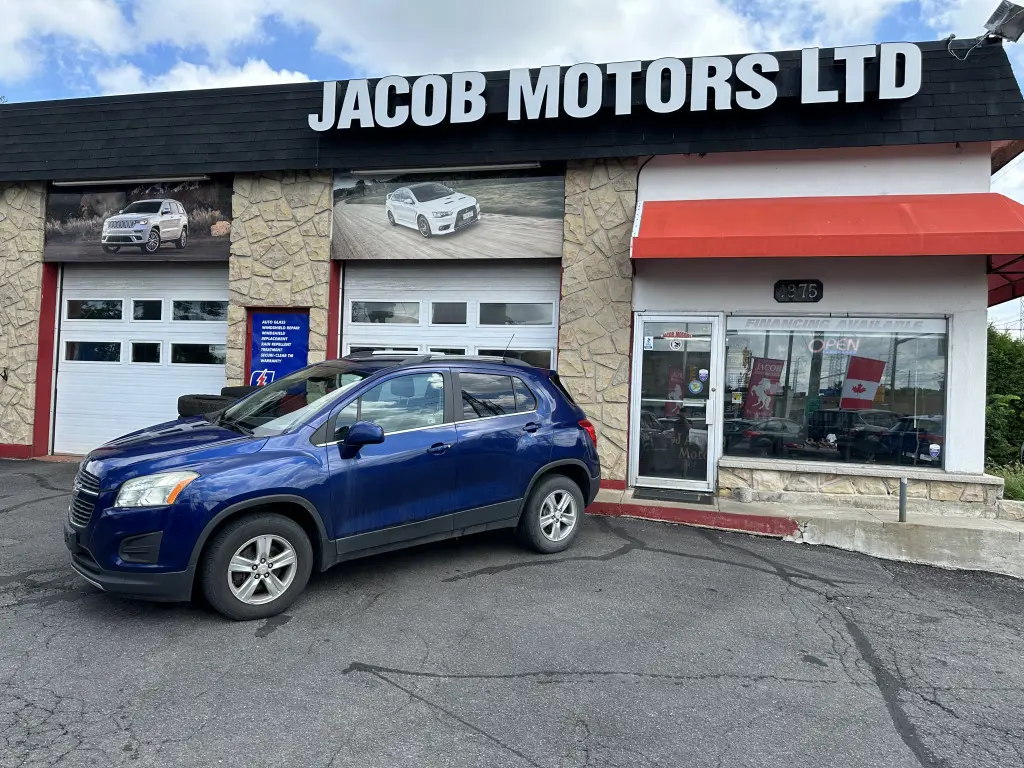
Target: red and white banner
861	385
676	382
764	383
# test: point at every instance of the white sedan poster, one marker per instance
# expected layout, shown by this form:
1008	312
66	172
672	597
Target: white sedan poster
416	217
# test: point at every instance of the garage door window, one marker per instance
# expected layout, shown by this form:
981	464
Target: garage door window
94	309
145	351
148	309
448	313
92	351
199	354
386	312
200	311
539	358
517	314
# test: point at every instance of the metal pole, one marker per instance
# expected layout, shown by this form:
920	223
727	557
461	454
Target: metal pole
903	500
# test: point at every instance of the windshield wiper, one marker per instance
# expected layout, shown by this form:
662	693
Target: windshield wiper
237	426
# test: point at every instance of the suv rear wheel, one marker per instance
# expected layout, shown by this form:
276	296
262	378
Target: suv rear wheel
551	520
256	567
182	240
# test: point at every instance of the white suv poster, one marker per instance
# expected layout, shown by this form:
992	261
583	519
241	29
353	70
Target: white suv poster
423	217
165	221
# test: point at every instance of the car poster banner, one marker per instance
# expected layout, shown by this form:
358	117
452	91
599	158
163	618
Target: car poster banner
166	221
414	216
280	345
764	384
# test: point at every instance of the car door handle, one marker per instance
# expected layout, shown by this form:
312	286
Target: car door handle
533	426
438	448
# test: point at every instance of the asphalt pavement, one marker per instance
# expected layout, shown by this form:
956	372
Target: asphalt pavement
646	645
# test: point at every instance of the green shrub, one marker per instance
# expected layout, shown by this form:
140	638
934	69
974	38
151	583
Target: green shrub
1013	476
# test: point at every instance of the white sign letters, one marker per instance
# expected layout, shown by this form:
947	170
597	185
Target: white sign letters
710	83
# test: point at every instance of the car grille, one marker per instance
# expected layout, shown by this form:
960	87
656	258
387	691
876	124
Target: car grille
461	220
83	501
121	224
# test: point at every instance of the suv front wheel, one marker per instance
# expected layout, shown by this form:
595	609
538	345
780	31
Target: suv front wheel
551	520
152	244
256	567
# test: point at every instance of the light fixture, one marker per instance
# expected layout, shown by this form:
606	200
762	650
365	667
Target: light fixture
445	169
1007	21
110	182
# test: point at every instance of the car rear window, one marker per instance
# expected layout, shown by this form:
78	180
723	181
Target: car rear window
485	395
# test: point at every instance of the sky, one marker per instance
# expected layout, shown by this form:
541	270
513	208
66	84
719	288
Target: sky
53	49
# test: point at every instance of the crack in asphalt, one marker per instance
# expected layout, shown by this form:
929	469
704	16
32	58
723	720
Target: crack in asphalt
545	676
890	686
632	543
30	502
42	482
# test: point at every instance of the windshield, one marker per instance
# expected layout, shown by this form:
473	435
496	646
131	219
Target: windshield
279	407
144	206
427	192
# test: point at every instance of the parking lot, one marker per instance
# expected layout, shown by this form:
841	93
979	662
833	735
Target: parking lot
645	645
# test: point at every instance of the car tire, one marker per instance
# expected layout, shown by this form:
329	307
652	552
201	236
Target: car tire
237	392
424	227
111	248
182	240
224	585
152	244
200	405
391	219
547	496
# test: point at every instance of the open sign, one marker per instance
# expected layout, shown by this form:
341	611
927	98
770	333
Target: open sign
844	345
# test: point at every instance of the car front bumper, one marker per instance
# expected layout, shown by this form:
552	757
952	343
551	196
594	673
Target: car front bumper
125	236
161	586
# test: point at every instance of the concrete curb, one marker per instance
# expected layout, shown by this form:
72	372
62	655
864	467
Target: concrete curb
973	546
944	546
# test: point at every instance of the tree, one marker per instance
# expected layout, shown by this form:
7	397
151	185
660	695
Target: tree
1004	416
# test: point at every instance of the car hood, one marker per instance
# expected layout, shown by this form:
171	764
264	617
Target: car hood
165	447
129	216
458	200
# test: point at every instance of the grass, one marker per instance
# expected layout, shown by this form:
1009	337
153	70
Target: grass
1013	476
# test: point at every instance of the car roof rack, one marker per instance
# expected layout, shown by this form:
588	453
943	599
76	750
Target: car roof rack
404	358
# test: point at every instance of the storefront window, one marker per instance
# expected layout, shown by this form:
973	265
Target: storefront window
859	390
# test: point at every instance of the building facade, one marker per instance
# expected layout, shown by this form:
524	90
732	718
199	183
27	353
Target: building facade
762	276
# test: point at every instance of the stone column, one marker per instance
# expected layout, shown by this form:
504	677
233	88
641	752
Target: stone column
280	255
597	293
22	219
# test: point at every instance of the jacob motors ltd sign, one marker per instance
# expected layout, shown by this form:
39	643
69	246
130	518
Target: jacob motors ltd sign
709	83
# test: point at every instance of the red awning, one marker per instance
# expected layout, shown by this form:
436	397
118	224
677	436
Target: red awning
986	224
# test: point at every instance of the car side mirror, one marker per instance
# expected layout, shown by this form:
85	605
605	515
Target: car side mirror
359	434
166	211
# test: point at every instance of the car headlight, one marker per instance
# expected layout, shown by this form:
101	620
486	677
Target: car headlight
442	214
154	490
141	222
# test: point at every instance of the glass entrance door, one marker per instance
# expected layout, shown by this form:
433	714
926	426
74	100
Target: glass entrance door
675	430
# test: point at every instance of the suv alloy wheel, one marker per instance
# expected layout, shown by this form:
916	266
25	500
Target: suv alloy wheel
551	519
256	567
152	244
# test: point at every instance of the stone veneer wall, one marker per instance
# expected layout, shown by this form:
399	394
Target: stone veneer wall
870	488
22	218
280	255
595	312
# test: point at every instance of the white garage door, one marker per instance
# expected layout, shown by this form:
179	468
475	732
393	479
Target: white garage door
133	338
472	308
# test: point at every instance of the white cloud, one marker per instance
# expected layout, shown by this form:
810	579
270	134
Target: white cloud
184	76
27	27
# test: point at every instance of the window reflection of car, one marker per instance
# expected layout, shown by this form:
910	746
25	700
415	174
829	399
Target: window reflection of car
913	439
146	224
769	437
431	209
732	431
855	434
660	441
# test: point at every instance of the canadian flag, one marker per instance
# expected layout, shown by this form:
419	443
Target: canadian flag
862	380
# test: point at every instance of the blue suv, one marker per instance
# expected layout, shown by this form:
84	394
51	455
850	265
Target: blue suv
342	459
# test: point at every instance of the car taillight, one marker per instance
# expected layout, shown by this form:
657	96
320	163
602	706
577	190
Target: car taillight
750	433
587	427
